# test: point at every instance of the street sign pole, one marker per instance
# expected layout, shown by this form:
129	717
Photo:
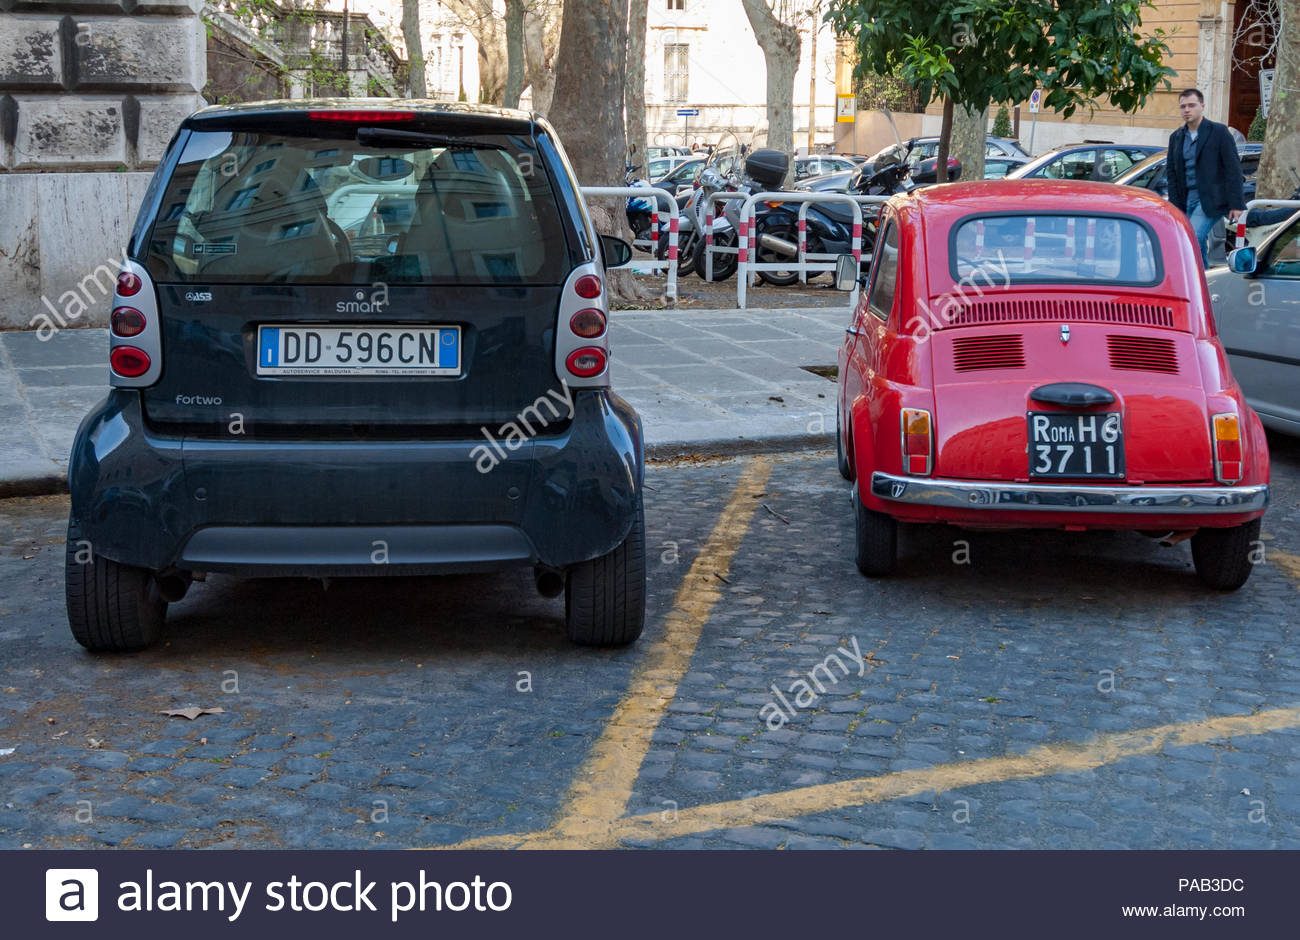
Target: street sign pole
1035	98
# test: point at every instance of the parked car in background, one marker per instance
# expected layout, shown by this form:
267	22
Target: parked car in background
1152	173
827	182
383	370
818	164
1098	162
662	166
657	153
1257	308
995	168
682	174
1042	355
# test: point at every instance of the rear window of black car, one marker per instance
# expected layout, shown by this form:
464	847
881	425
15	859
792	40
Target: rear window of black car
1056	247
256	206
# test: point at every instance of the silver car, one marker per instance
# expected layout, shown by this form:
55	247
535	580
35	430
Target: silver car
1256	302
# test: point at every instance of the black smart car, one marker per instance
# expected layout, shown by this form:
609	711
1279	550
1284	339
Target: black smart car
359	337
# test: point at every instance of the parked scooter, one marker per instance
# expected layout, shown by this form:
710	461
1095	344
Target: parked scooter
829	224
638	210
693	207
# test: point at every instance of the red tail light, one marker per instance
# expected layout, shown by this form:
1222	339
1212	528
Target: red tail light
588	287
1227	448
128	284
586	362
129	362
127	321
362	117
917	451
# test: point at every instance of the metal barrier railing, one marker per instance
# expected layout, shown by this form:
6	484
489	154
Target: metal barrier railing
747	245
710	249
824	261
1240	236
656	194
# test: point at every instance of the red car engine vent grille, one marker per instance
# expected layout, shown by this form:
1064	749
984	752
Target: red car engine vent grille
972	353
1143	353
1064	309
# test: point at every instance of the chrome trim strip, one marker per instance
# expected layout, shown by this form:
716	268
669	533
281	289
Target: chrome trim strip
962	494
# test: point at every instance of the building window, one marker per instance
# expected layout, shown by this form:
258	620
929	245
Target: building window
676	72
677	4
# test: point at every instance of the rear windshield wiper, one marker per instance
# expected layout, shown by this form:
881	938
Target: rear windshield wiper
391	137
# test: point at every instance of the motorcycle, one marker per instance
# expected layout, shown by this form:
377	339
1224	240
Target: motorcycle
829	224
692	212
638	210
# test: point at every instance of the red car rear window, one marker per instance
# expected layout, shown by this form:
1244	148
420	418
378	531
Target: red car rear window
1053	248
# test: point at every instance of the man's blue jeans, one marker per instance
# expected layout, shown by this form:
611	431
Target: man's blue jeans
1201	224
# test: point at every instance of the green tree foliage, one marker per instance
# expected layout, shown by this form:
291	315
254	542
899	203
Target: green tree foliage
971	52
1002	123
1258	127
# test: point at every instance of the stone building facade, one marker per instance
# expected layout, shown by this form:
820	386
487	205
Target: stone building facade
91	92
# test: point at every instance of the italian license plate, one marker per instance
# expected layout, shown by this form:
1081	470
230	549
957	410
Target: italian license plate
358	350
1074	445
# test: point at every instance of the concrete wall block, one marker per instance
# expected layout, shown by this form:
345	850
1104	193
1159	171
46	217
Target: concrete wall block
160	115
20	267
170	7
86	221
31	54
72	130
154	51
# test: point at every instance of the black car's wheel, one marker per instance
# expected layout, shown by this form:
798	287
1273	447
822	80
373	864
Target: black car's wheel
604	599
1222	556
877	541
111	607
723	265
841	455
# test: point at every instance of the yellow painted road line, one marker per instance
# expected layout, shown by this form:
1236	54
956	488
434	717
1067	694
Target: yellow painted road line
1286	561
1043	761
600	792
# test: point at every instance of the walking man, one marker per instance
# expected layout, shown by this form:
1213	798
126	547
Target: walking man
1204	169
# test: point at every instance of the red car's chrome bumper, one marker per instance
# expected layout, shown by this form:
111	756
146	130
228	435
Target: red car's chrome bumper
1054	497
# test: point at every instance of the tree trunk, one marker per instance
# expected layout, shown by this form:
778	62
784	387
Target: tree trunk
781	46
1282	140
415	82
945	143
635	92
514	53
587	112
541	37
968	141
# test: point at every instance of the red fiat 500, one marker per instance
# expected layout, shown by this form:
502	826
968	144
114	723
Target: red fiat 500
1042	354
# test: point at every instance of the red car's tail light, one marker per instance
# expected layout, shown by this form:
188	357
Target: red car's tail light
917	437
587	362
127	321
588	287
1227	448
588	324
128	284
128	361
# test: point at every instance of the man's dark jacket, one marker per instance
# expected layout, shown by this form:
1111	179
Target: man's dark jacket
1218	170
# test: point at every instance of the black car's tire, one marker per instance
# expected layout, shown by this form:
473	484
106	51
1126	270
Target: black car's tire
877	541
112	608
841	456
723	265
604	599
1222	556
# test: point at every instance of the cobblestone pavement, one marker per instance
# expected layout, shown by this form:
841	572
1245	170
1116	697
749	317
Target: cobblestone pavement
986	697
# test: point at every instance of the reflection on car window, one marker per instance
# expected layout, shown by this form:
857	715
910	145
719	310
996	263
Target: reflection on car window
1113	163
1030	248
885	283
278	208
1284	256
1073	166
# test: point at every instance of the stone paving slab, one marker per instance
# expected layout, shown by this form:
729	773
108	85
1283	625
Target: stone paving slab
708	382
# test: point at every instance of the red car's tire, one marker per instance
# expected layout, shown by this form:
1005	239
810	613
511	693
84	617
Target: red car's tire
877	541
1222	556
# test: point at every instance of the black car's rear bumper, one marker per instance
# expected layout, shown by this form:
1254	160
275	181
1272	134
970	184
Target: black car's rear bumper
356	507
